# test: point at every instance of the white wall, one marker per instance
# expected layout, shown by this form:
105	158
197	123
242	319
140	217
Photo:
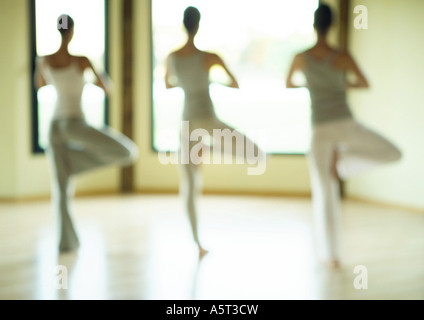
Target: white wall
391	54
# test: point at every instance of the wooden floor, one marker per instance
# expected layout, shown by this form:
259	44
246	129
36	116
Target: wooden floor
140	247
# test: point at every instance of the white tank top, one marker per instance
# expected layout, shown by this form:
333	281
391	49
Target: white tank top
69	84
194	80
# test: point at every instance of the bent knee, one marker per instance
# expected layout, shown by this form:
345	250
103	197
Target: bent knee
129	155
394	155
133	154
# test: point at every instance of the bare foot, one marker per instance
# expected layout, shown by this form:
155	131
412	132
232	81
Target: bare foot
202	252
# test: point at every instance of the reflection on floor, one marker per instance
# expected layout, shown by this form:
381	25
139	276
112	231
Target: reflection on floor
140	247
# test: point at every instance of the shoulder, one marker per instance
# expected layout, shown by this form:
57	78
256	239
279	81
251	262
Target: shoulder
83	61
299	60
343	54
343	58
301	56
43	60
172	55
305	52
177	52
171	60
43	63
212	57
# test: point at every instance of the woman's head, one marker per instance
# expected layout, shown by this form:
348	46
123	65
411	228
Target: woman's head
323	19
191	20
65	25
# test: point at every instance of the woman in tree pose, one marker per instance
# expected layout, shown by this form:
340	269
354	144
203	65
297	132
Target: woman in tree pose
74	146
340	146
190	68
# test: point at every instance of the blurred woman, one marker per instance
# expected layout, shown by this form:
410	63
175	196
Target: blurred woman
340	146
74	146
189	69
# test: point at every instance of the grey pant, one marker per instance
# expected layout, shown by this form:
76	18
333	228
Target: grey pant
76	147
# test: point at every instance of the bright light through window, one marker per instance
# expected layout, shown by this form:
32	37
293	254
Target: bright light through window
88	40
257	40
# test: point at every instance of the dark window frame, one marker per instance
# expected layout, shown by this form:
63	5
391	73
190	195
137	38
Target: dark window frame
36	148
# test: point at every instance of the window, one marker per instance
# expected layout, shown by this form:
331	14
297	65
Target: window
89	40
257	40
